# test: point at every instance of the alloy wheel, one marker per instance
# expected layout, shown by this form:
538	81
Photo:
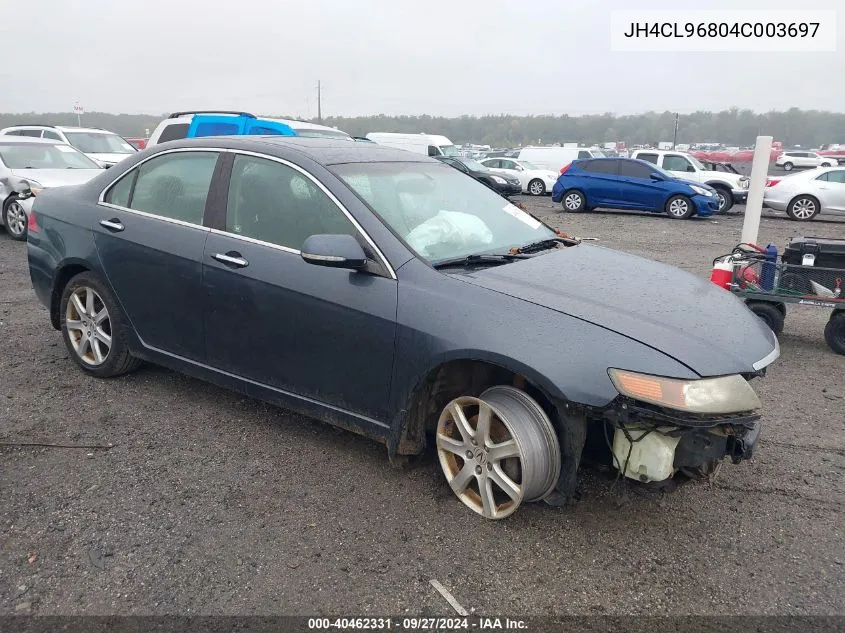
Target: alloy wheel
88	326
15	219
497	451
723	199
536	188
804	208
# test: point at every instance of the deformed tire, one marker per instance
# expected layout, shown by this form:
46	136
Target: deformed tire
679	208
834	332
498	450
573	201
94	328
769	313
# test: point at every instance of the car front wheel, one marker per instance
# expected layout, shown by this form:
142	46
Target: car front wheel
94	328
498	450
536	187
14	218
726	199
679	207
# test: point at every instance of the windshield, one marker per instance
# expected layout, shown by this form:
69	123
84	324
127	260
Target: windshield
696	162
99	143
668	175
44	156
449	150
439	212
318	133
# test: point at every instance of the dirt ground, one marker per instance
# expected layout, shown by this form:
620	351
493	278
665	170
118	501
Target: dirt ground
211	503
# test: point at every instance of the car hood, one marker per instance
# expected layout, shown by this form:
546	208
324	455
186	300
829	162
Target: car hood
734	179
57	177
695	183
683	316
111	159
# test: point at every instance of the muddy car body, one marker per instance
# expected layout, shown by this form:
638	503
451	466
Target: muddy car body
390	295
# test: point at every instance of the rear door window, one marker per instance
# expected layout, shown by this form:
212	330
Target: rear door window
173	186
32	133
606	167
633	169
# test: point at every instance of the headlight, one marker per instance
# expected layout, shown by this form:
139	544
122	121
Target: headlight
701	190
726	394
500	181
35	187
744	182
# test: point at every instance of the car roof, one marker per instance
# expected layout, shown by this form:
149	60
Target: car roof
294	123
61	128
18	140
326	151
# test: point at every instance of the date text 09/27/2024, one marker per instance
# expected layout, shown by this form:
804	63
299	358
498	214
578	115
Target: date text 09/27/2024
722	29
418	624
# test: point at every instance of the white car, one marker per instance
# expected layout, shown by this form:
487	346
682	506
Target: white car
533	179
803	196
104	147
791	159
731	188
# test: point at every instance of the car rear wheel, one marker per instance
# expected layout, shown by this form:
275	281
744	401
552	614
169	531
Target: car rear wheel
826	165
726	199
834	332
498	450
679	207
787	166
94	328
14	218
573	200
770	315
536	187
803	208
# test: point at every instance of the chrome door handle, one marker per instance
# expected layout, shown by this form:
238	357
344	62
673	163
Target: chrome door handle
234	260
114	225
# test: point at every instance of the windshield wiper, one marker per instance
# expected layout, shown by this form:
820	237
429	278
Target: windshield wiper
483	259
543	245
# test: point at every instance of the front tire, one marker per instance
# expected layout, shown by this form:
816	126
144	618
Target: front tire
726	200
498	450
679	208
14	218
573	201
94	328
803	208
788	166
834	332
536	187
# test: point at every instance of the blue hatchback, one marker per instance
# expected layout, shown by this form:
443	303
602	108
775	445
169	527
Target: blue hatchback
627	183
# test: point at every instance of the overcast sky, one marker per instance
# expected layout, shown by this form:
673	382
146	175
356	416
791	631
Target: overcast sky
385	56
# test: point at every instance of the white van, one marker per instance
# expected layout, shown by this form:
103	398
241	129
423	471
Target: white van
427	144
555	158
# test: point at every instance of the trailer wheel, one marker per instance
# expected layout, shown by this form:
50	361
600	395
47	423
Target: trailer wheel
770	314
834	332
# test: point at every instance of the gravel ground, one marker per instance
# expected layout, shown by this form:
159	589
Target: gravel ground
211	503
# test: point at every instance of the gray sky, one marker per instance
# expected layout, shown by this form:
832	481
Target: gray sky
386	56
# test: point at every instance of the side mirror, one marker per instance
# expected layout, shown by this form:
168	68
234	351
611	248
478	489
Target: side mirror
657	177
334	251
690	168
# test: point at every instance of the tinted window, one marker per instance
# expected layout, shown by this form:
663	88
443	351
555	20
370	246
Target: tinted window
633	169
13	133
494	164
673	162
121	192
52	135
600	166
173	131
433	151
651	158
507	164
584	154
274	203
173	186
33	133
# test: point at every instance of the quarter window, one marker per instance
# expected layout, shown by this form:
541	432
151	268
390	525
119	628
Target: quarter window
173	186
173	131
274	203
52	135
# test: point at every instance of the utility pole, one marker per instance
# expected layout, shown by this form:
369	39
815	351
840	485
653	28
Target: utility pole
319	104
675	137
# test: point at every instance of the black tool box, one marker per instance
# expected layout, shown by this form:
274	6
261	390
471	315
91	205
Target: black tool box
823	252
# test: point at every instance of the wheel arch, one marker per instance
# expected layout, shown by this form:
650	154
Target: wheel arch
463	373
804	195
64	273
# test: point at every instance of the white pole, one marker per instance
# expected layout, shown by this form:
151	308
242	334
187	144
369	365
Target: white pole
754	206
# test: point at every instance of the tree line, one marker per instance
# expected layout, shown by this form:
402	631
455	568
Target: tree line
740	127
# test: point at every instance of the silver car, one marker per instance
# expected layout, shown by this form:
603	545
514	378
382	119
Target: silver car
40	163
803	196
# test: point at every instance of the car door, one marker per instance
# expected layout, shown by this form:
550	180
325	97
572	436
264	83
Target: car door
602	182
150	239
325	334
831	190
515	170
679	166
639	190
